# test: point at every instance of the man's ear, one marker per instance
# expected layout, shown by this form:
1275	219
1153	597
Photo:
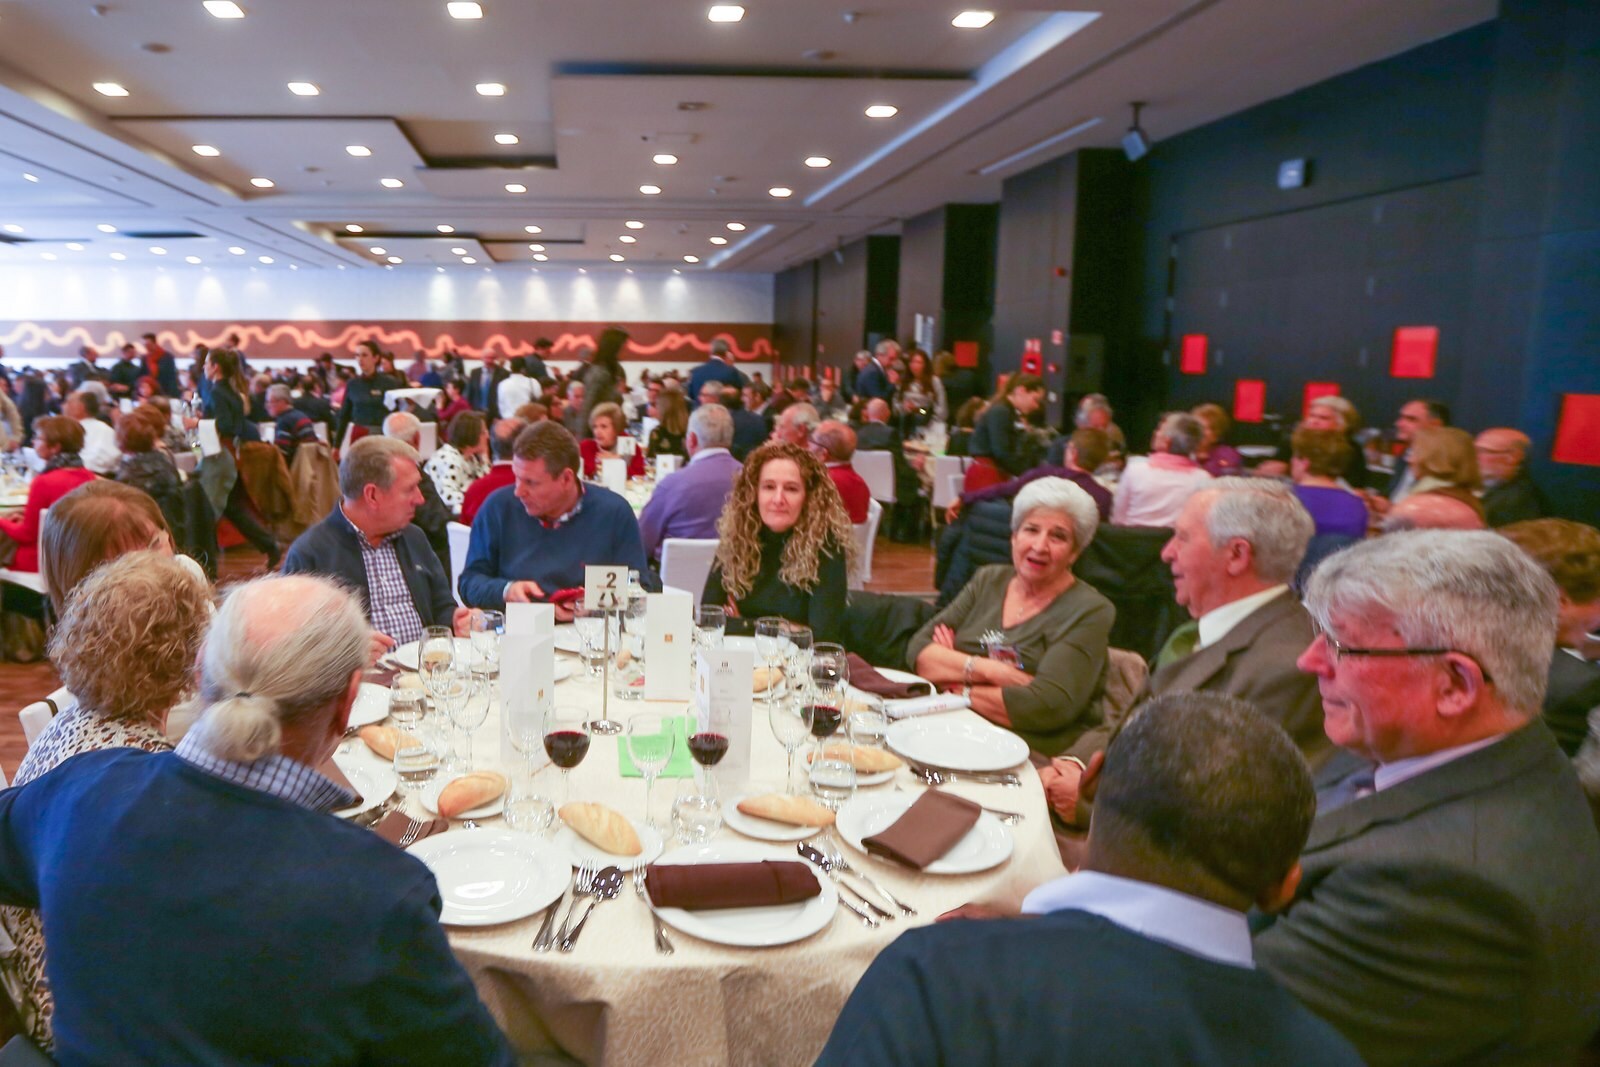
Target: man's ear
348	701
1277	897
1460	685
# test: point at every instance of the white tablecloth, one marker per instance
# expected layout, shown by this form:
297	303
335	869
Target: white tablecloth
425	397
615	1001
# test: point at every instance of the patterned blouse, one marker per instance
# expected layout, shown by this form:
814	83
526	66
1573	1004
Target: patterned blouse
452	472
70	733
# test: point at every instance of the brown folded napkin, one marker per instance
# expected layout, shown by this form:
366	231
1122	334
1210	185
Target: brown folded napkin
393	828
330	770
704	886
866	677
383	676
929	828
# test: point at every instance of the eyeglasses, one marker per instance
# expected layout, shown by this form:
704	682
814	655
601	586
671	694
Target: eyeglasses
1340	651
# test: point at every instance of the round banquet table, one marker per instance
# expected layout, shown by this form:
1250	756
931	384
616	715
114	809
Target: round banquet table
613	1000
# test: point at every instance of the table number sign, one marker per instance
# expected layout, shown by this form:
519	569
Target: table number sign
724	678
668	645
665	465
605	587
527	675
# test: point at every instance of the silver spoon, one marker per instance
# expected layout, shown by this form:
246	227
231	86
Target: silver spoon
607	884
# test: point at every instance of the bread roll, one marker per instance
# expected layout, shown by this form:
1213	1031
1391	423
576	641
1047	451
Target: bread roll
864	758
793	810
470	791
603	828
765	676
383	740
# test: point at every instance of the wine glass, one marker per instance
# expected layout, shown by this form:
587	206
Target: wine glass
451	688
710	624
708	743
591	627
436	652
790	719
769	644
830	679
471	710
566	741
797	644
486	629
651	740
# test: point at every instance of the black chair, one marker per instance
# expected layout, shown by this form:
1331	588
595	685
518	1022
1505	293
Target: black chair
1124	564
878	626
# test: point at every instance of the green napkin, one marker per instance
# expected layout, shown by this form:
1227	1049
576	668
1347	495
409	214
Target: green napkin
681	765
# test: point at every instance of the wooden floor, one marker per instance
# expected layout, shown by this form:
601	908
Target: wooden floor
895	569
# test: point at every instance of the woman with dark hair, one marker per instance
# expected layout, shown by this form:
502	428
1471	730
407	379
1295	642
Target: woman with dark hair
219	474
94	523
999	435
461	460
786	546
453	403
922	398
147	466
1216	456
56	440
604	380
960	441
668	436
33	402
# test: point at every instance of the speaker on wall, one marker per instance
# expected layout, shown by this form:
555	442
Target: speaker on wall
1134	143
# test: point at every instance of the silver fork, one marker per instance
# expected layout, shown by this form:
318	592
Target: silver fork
663	946
836	857
412	830
580	889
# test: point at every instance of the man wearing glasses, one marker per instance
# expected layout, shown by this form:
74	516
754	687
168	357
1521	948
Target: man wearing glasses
1448	911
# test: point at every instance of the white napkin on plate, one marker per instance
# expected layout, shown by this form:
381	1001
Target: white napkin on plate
929	705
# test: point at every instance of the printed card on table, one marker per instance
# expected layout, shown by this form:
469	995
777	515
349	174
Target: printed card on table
533	620
614	474
668	645
665	465
724	679
527	687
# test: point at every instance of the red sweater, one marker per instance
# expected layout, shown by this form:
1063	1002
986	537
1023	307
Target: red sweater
590	451
854	489
500	475
45	490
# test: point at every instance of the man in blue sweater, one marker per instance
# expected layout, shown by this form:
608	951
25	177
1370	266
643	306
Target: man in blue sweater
202	906
532	539
1144	956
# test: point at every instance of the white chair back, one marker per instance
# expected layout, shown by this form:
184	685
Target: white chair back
877	470
321	429
686	563
866	536
344	443
460	536
944	469
269	431
428	442
36	716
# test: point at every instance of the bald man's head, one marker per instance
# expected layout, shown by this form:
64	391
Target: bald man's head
1433	511
877	410
1501	453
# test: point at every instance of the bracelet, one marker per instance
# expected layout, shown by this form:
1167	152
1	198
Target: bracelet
966	693
966	672
1074	759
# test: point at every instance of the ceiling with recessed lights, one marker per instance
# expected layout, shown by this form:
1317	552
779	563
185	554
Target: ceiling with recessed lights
425	134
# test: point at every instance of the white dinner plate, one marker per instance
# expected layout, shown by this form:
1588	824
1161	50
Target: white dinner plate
988	844
749	927
372	705
430	800
763	829
371	777
492	876
579	851
567	639
406	654
957	744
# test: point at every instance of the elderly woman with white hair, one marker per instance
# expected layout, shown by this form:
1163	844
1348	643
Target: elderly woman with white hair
1026	643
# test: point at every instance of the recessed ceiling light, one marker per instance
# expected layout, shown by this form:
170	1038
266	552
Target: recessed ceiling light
224	9
468	259
675	270
882	111
506	138
736	227
541	257
12	227
191	259
396	259
157	250
627	239
351	227
439	269
972	20
515	187
491	89
264	259
106	227
533	229
536	248
444	228
118	256
294	266
391	183
304	89
725	12
650	190
615	258
780	191
634	224
235	250
206	150
818	161
464	9
691	259
358	150
262	183
375	250
719	240
29	177
583	270
665	159
109	89
47	255
74	246
458	251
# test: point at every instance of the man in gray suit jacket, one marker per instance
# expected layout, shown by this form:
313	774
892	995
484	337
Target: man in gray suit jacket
1449	911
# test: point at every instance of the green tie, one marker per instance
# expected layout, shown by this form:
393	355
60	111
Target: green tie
1180	644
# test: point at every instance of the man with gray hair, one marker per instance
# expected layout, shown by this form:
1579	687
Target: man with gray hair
291	426
433	515
1234	550
368	543
688	502
795	424
1153	488
189	895
1448	912
718	368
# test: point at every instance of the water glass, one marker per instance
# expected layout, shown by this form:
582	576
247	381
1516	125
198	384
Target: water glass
591	627
627	664
487	628
696	815
770	645
417	758
797	646
406	704
651	740
867	724
528	811
711	623
833	780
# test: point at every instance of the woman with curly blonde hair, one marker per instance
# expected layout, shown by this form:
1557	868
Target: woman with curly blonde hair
786	544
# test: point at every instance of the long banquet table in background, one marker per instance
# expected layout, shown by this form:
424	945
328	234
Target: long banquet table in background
615	1001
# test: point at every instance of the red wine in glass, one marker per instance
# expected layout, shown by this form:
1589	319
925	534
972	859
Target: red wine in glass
825	720
708	748
566	748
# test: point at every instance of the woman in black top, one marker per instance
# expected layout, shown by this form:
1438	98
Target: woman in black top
668	437
363	395
226	405
786	544
997	440
603	378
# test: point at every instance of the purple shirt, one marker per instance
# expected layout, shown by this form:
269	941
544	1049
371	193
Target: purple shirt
1335	511
687	503
1006	490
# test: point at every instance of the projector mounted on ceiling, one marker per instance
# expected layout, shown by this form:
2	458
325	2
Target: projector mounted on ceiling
1134	143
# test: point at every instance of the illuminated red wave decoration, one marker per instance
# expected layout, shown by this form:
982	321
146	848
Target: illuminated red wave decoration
306	340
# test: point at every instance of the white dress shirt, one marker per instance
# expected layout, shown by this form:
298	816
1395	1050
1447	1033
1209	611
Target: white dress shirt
515	391
99	452
1216	623
1153	490
1389	775
1196	926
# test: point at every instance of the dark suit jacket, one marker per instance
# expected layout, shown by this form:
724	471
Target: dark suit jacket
330	549
1453	918
872	383
474	393
1254	662
1573	692
749	433
1515	501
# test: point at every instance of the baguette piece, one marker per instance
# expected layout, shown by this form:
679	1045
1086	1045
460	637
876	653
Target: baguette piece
792	810
766	676
602	827
383	740
470	791
864	758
